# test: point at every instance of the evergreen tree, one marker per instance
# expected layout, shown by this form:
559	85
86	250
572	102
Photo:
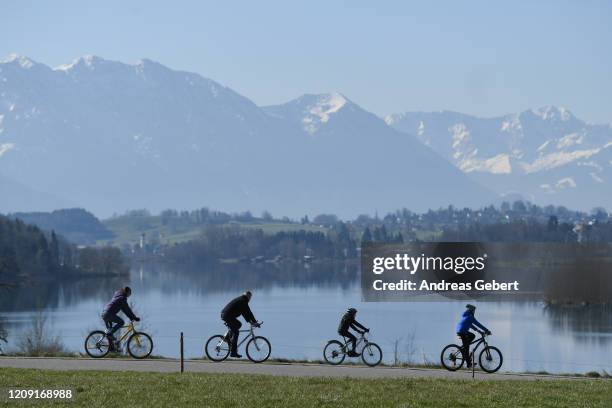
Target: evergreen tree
367	235
54	252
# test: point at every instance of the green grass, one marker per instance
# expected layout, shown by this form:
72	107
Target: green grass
128	229
274	227
102	389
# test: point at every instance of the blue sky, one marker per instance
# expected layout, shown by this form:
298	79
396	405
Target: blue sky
483	58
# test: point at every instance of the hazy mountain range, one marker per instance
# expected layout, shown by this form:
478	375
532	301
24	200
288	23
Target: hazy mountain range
109	136
546	155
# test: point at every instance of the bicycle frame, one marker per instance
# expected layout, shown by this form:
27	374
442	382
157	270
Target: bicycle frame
250	330
126	333
478	342
361	339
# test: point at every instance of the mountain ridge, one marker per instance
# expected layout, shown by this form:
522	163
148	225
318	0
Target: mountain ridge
111	136
546	153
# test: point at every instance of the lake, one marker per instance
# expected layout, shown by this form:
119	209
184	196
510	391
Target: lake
301	307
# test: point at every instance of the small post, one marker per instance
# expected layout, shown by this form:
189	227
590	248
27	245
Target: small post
182	355
473	363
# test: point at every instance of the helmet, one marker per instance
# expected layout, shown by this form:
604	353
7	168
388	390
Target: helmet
351	310
470	307
127	290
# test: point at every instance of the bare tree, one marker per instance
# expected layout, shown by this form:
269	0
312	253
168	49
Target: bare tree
39	340
410	348
3	334
396	354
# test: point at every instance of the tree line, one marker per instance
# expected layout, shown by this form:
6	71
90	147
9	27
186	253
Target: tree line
223	242
28	252
510	222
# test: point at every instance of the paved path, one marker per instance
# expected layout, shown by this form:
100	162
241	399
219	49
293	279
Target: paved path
240	367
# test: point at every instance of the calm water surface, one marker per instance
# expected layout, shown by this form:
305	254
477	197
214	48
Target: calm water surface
301	309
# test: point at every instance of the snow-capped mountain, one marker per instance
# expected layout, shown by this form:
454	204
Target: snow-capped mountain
109	136
310	111
547	155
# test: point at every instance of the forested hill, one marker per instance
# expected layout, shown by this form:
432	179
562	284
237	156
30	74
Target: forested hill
77	225
28	253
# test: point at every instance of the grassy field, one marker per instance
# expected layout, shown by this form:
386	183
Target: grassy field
127	230
97	389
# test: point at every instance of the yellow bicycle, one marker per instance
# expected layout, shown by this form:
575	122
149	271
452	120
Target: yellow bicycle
139	344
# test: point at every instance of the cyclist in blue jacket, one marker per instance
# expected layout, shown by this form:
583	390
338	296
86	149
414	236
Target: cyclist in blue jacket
467	322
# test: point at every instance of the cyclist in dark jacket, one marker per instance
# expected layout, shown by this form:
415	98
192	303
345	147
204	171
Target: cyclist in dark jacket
118	304
467	322
235	308
348	321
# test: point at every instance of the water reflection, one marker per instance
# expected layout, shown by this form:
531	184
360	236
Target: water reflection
237	277
169	279
588	324
53	294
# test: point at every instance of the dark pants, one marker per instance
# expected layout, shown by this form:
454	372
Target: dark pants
466	338
234	326
109	320
350	336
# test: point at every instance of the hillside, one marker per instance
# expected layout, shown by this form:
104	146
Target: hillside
77	225
110	136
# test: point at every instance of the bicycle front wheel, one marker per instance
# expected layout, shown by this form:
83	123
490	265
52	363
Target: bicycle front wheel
140	345
258	349
97	344
217	348
371	354
490	359
452	357
334	353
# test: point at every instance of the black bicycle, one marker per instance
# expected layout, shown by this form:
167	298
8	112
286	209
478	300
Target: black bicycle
335	351
490	358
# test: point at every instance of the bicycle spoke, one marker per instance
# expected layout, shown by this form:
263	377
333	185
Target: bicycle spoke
334	352
491	359
97	344
217	348
221	347
140	345
371	354
452	357
258	349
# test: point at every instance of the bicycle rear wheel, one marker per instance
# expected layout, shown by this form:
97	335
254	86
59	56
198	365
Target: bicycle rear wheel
97	344
333	352
371	354
452	357
490	359
140	345
258	349
217	348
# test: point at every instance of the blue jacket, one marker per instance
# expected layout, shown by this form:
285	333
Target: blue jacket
119	303
467	322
